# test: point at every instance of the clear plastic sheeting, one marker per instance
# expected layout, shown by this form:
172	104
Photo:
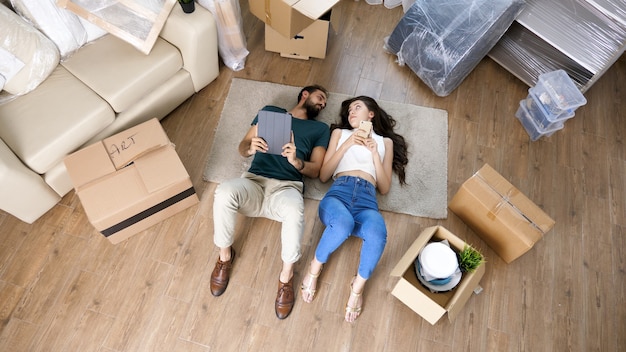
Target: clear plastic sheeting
442	42
576	28
615	9
582	37
137	22
533	56
231	40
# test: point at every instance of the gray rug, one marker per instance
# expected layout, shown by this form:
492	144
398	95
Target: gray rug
425	129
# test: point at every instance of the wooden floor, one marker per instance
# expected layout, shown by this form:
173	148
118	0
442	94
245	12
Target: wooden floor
63	287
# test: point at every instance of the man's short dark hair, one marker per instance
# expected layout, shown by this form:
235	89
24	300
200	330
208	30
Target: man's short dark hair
311	89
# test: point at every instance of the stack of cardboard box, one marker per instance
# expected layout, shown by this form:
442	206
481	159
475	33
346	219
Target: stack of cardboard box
296	28
130	181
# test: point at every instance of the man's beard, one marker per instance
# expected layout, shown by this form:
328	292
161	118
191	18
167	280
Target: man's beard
312	110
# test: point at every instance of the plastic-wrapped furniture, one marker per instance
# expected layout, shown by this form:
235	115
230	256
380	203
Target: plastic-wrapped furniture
442	41
584	38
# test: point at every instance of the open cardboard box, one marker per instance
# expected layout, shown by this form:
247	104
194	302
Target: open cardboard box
290	17
432	306
500	214
311	42
130	181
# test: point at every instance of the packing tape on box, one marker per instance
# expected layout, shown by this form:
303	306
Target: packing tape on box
506	199
268	13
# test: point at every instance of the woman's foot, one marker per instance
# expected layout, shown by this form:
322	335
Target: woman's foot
309	285
354	305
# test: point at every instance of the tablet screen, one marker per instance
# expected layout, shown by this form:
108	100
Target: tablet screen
275	129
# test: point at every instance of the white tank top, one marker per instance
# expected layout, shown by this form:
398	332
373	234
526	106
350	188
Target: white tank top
358	157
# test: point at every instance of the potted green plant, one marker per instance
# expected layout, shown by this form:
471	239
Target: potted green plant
188	5
469	259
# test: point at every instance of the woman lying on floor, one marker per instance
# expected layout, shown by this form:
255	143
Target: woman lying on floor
360	162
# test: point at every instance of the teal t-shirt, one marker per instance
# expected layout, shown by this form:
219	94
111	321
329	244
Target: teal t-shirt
307	135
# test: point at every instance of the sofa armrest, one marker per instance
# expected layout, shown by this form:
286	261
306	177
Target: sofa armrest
23	193
195	35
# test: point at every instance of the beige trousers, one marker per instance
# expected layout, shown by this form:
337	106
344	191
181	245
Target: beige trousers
258	196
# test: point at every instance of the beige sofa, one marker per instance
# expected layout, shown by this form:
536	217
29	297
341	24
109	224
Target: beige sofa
104	87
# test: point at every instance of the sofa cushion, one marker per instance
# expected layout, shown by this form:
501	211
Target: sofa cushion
123	82
38	53
52	121
61	26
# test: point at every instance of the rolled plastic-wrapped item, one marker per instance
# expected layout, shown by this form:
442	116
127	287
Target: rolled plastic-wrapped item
231	40
38	54
60	25
442	42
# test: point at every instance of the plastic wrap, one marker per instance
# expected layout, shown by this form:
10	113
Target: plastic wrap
39	55
10	65
61	26
584	38
137	22
615	9
578	29
442	42
532	56
231	39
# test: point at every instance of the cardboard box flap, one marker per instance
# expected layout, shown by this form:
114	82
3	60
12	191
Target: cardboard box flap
418	301
129	145
408	258
88	164
465	290
313	9
112	196
160	169
522	204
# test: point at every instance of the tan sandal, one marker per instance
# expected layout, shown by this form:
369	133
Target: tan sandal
350	310
308	288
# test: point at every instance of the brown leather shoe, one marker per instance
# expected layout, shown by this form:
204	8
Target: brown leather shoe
284	299
221	274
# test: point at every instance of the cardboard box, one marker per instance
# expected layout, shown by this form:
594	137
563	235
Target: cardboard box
311	42
432	306
290	17
500	214
130	181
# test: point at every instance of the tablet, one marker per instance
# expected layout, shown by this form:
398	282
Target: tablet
275	129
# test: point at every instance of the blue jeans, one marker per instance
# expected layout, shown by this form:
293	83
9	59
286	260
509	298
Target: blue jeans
349	208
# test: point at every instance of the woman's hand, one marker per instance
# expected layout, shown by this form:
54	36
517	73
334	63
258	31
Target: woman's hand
355	139
371	145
